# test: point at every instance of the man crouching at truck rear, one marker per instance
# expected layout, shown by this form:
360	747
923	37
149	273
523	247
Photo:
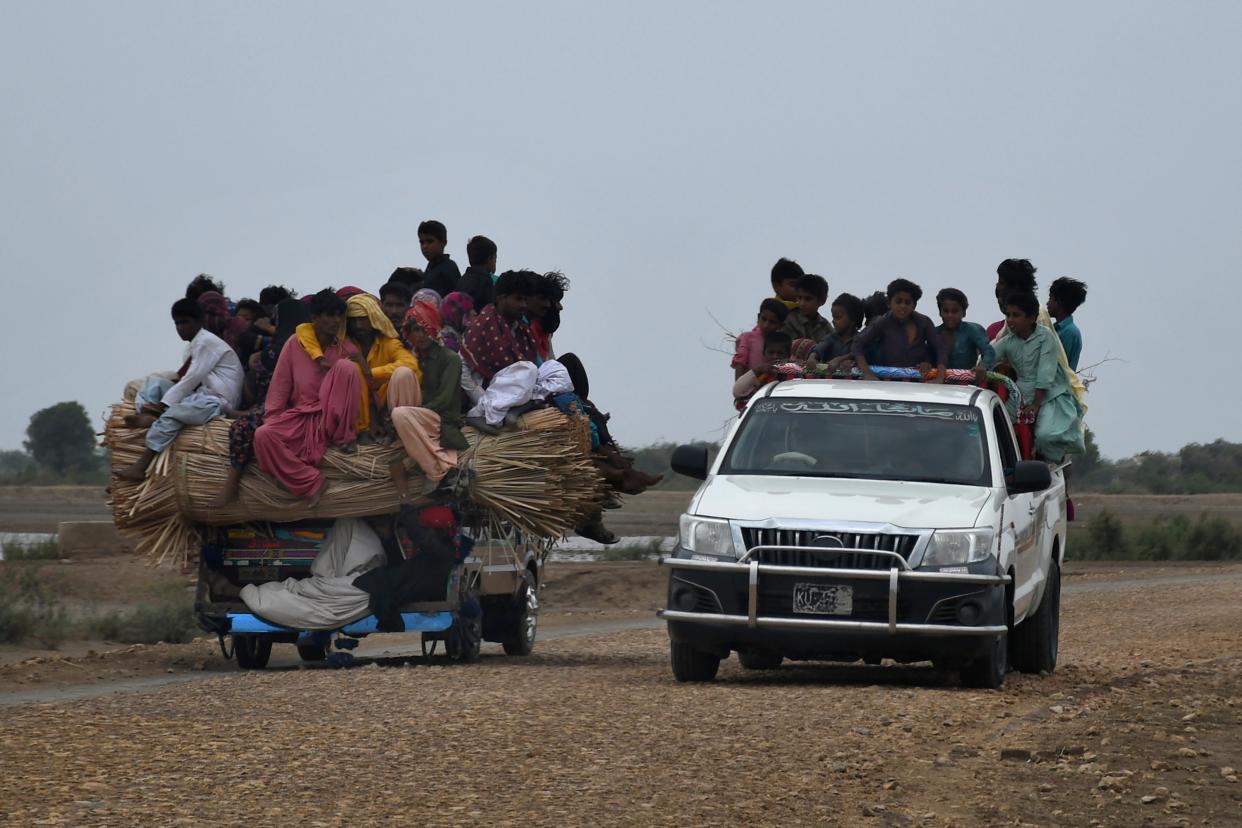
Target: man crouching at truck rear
209	380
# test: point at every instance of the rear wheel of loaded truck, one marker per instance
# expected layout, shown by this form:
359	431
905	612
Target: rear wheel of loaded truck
464	638
690	664
521	621
252	651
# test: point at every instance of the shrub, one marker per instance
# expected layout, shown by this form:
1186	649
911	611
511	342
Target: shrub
171	621
28	609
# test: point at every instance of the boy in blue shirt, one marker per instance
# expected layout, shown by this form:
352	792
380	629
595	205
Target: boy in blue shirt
1065	296
966	342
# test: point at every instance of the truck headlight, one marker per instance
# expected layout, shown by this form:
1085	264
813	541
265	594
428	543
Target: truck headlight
957	547
707	536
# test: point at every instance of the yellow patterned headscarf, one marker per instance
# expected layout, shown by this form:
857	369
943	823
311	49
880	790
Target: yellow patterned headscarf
365	305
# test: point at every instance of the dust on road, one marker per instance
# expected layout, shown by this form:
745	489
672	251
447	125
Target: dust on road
1140	725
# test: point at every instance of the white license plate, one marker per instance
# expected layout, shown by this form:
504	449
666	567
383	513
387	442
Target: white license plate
823	599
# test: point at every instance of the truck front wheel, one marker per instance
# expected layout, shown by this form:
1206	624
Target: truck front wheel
252	651
690	664
1036	639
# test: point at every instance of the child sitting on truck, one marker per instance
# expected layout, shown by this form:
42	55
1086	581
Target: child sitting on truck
749	348
208	382
804	320
1065	296
906	337
847	320
776	351
1033	352
965	342
785	276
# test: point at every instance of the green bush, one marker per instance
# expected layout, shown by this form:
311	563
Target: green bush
1167	538
171	621
29	610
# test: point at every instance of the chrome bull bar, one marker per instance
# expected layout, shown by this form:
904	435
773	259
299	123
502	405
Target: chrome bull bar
894	575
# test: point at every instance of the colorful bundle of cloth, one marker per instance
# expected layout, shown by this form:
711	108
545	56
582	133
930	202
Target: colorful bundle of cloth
280	546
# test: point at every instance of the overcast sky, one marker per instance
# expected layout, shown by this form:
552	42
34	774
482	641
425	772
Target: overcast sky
662	155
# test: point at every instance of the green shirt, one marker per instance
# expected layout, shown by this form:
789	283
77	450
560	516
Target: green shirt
441	387
799	327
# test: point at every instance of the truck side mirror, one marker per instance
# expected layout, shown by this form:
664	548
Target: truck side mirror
690	461
1029	476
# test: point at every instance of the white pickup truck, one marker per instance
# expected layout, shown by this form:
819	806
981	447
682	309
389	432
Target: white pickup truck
847	520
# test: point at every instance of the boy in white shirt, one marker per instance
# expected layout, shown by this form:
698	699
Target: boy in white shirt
210	379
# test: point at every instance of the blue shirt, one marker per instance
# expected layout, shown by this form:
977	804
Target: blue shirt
1071	340
970	346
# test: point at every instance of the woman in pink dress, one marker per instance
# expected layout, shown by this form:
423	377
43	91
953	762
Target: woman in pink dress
308	408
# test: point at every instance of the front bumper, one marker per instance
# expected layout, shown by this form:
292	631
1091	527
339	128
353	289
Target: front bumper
746	605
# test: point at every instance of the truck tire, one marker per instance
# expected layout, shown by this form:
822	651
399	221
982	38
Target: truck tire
252	651
464	638
522	622
690	664
758	660
987	672
1036	640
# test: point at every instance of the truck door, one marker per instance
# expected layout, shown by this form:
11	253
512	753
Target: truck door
1020	519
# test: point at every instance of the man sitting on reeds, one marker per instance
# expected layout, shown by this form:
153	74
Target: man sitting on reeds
210	380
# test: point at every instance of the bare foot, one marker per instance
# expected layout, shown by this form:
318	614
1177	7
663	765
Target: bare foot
139	420
133	473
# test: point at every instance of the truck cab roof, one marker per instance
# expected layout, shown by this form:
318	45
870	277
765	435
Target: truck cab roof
914	392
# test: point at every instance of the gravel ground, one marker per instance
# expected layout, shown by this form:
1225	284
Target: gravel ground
1140	725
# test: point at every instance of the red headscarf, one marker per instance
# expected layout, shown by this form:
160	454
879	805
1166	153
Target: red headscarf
427	317
216	318
348	291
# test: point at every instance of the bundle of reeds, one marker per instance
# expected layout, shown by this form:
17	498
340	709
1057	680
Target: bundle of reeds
541	479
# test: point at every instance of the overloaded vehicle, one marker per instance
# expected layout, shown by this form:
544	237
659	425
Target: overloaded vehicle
846	520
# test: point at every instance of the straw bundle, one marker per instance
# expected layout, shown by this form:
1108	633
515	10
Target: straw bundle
540	479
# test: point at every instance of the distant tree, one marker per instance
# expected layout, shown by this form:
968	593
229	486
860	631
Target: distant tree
60	438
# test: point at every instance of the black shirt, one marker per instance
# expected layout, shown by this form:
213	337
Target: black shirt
478	283
442	275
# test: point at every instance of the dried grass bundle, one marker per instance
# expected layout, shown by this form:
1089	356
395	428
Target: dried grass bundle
540	479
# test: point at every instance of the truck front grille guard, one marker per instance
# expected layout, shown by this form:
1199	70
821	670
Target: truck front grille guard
898	572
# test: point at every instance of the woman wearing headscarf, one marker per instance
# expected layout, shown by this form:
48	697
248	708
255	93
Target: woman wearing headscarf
309	408
289	314
430	431
390	373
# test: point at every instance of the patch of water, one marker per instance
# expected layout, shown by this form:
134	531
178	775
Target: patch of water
23	539
582	550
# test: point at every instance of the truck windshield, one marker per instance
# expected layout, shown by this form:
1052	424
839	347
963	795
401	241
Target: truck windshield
868	439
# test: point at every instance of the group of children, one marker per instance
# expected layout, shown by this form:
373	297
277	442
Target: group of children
412	364
884	336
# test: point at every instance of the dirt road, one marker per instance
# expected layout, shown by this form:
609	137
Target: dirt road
1139	725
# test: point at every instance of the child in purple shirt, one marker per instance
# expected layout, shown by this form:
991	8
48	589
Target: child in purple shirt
906	338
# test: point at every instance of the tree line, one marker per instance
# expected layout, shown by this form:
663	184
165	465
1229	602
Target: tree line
60	448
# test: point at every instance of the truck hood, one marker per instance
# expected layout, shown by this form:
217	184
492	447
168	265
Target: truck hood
910	505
